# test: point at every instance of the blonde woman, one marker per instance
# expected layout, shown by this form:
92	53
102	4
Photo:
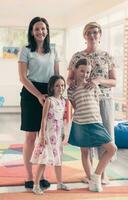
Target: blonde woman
103	74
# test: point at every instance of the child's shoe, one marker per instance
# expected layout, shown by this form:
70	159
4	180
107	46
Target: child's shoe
37	189
62	186
85	180
95	183
105	181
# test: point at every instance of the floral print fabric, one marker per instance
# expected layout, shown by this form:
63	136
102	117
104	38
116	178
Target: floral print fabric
52	152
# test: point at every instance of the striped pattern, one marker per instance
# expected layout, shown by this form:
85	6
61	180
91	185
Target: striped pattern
86	103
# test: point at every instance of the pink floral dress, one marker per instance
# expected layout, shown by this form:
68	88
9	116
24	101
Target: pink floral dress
51	154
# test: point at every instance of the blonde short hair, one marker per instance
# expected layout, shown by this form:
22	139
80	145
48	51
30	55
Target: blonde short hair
91	25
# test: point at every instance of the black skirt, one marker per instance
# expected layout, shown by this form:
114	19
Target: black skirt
31	109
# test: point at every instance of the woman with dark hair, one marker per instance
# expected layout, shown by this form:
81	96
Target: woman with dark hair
37	63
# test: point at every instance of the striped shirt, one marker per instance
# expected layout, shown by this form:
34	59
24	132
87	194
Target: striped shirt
86	102
102	63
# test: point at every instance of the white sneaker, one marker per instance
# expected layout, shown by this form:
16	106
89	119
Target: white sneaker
62	186
95	184
105	181
37	189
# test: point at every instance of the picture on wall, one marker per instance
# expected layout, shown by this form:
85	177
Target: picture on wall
10	52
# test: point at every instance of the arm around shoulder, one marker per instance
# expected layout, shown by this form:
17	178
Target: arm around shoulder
71	70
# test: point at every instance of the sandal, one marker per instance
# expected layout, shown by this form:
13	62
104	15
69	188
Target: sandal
37	189
62	186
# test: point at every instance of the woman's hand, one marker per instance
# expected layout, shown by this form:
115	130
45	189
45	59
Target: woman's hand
71	84
90	84
42	98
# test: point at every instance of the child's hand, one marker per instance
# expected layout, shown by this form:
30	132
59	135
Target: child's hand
42	140
37	150
63	136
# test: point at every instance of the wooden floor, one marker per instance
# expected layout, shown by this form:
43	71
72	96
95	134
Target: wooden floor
10	133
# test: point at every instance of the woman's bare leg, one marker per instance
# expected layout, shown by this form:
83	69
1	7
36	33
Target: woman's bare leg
58	172
27	152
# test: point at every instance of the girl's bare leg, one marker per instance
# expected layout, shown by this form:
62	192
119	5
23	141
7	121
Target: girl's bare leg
86	161
60	185
36	188
58	172
95	182
39	173
106	157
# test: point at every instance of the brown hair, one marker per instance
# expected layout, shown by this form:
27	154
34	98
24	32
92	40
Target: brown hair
81	62
52	82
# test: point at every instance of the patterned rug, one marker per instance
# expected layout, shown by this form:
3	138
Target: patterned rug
12	170
109	193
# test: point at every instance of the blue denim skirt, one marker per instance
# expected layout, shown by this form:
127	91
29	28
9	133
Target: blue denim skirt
88	135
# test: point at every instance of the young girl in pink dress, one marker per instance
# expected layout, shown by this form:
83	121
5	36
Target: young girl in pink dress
49	150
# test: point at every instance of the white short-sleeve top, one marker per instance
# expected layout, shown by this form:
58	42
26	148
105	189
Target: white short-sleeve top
40	67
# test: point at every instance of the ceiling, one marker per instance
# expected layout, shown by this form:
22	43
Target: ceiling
60	13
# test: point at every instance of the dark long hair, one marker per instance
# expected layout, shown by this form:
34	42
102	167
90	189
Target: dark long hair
52	82
31	41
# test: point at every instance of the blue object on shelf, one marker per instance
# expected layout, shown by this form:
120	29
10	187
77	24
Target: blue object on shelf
121	135
1	100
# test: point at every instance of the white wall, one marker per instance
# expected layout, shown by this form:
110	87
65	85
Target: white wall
75	41
9	82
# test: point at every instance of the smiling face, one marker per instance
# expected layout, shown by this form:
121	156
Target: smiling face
83	72
39	31
92	36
